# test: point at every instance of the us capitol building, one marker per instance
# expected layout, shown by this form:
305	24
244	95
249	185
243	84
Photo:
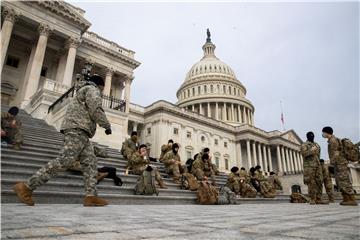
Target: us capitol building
45	44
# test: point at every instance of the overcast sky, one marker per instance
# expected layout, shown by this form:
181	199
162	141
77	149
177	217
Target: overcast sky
303	54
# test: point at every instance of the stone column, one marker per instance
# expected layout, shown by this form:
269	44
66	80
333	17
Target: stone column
265	159
254	154
248	115
285	167
108	79
72	44
244	115
292	161
295	162
239	111
261	163
32	83
135	127
288	160
279	161
216	111
201	109
128	81
232	113
224	112
239	153
192	108
9	16
270	159
208	110
248	152
300	161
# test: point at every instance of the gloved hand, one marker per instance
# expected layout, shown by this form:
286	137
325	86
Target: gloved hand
108	131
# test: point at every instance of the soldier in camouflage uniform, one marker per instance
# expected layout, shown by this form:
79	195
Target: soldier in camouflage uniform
139	161
339	162
238	183
207	151
11	131
327	181
202	168
82	115
310	151
266	189
130	145
173	164
275	181
166	148
233	181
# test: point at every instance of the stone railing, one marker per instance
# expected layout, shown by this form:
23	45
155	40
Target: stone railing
108	44
52	85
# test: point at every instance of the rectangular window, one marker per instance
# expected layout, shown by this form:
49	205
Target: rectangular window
217	162
199	90
12	61
193	91
148	131
188	134
216	142
225	144
176	131
226	164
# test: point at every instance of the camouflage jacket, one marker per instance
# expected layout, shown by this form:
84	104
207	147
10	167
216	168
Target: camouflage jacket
129	146
335	151
200	164
136	161
275	182
245	175
7	119
164	149
85	111
170	155
311	154
233	177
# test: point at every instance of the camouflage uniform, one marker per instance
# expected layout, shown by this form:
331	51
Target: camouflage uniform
275	182
164	149
327	182
340	163
84	112
14	134
246	189
312	169
200	169
266	189
233	182
128	148
214	166
173	168
138	164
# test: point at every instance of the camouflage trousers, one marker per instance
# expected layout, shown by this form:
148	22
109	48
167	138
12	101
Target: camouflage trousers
200	174
266	189
329	187
14	135
314	180
139	170
76	147
247	190
342	178
176	169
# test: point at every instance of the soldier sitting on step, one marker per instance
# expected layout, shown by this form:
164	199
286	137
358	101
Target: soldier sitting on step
138	162
202	168
274	180
130	145
172	163
207	151
166	148
11	131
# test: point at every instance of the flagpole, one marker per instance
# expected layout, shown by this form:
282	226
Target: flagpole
282	115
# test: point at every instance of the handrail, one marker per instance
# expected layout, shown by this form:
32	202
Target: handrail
63	97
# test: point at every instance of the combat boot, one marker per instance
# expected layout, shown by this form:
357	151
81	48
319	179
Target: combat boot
331	199
321	201
94	201
348	200
162	185
312	201
17	146
23	193
101	176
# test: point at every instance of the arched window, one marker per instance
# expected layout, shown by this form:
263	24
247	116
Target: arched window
205	89
202	138
193	91
199	90
224	89
211	89
229	90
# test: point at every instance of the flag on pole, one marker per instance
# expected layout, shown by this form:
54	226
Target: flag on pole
282	116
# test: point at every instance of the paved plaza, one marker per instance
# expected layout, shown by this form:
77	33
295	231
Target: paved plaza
245	221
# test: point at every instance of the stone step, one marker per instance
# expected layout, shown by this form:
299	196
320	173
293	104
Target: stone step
72	177
126	189
8	196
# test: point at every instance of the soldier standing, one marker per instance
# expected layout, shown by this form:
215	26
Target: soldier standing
339	162
83	113
11	131
310	151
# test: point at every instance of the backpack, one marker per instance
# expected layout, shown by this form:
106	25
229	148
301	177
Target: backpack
226	196
189	164
145	185
206	193
297	197
188	181
350	150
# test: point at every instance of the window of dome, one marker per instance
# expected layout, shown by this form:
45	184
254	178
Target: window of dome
205	68
205	89
215	67
210	67
224	89
188	92
229	90
218	88
211	88
193	91
199	90
202	138
239	92
234	91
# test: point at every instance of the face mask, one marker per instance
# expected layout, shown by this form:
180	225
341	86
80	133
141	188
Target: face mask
134	138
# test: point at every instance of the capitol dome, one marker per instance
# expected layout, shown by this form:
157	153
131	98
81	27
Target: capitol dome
212	89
